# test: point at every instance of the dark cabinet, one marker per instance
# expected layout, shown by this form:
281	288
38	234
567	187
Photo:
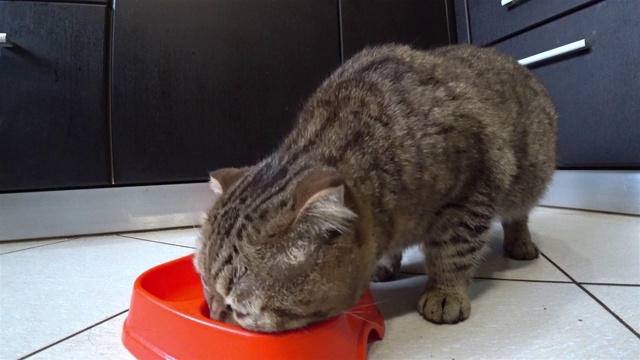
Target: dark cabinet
163	91
199	85
492	21
596	91
53	115
423	24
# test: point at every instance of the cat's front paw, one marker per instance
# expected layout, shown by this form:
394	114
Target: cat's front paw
521	250
444	308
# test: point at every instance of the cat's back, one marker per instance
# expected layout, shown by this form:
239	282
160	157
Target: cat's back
452	80
449	64
397	120
388	94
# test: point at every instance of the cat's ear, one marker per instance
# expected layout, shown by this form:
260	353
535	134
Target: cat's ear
320	195
220	180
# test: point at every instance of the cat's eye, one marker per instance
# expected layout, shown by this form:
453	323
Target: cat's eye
238	315
332	234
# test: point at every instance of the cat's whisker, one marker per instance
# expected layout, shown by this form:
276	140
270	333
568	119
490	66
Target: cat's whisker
366	305
361	318
358	311
351	310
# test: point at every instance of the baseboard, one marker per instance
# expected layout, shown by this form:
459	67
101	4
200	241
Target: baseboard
69	213
596	190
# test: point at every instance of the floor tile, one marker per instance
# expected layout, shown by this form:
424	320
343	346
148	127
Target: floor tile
495	263
622	300
509	320
53	291
183	237
591	247
11	246
54	288
100	342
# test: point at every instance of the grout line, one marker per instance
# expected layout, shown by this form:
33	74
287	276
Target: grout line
502	279
526	280
593	297
36	246
186	227
610	284
72	335
156	241
539	281
91	235
593	211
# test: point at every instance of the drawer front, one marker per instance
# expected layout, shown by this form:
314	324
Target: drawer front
489	20
53	113
597	91
105	2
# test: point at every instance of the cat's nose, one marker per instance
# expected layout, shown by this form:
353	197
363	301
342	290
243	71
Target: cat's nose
218	313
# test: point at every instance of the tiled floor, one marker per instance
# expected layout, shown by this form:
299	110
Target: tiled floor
67	299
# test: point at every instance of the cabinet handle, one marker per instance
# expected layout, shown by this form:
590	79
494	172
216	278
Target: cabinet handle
4	40
511	3
574	46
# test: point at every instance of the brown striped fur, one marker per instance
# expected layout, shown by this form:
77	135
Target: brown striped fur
397	147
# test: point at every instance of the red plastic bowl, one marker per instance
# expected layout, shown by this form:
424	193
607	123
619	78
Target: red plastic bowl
168	319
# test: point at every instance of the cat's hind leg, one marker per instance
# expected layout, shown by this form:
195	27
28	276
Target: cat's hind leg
451	254
387	267
517	239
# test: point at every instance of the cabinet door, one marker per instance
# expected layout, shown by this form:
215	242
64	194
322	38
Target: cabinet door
490	20
53	113
423	24
200	85
596	92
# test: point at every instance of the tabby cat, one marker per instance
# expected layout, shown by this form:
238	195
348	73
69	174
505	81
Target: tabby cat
397	147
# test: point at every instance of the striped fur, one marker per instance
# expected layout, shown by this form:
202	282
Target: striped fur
397	147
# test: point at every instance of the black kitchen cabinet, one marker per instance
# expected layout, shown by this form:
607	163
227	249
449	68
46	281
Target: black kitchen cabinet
492	21
53	115
596	90
422	24
195	85
200	85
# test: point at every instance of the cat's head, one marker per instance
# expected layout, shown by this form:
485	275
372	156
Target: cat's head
279	252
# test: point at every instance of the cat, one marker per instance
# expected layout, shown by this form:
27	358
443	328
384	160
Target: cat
397	147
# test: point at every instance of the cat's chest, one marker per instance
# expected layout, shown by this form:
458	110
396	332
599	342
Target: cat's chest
407	228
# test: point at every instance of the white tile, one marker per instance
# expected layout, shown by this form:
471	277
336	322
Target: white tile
509	320
100	342
591	247
622	300
53	291
183	237
11	246
495	263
